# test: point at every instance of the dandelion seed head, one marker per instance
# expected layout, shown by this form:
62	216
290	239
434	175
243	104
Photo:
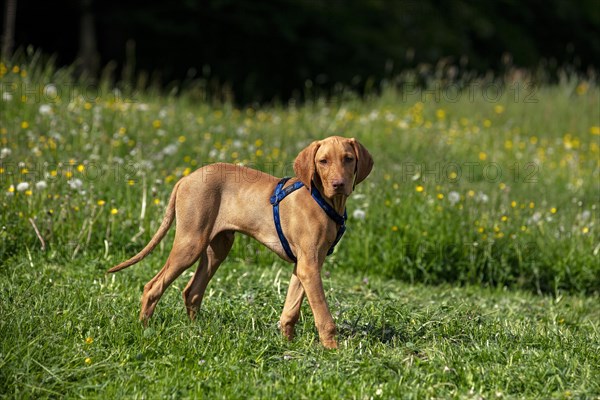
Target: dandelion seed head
453	197
5	152
75	184
22	186
41	185
359	214
45	109
482	197
50	91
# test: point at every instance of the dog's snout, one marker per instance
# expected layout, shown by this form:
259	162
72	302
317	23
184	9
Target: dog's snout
338	184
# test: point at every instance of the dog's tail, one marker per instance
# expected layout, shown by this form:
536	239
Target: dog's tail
158	236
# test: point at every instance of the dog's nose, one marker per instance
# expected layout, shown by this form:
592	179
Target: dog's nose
338	184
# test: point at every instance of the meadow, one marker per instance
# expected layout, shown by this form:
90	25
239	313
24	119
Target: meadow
469	268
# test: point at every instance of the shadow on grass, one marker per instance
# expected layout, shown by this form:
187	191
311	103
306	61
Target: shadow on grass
384	333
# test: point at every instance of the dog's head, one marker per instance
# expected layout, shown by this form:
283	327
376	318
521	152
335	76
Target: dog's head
335	164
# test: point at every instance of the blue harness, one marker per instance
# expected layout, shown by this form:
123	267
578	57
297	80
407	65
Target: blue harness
280	194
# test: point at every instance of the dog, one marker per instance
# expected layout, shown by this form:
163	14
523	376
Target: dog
217	200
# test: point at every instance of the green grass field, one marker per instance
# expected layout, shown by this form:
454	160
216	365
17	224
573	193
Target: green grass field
469	269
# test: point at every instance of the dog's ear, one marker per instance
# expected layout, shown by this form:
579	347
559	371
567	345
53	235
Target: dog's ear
364	161
304	165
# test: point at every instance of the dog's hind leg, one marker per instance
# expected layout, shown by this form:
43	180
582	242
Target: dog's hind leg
291	309
210	260
187	249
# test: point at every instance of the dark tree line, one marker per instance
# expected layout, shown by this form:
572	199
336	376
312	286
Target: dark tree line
269	48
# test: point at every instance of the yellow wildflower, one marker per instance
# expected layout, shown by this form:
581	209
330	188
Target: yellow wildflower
582	88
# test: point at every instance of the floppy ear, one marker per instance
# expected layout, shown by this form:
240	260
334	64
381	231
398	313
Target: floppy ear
304	165
364	161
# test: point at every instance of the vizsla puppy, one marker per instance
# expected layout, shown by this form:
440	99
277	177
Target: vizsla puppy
217	200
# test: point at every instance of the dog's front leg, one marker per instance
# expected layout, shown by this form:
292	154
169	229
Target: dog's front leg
309	273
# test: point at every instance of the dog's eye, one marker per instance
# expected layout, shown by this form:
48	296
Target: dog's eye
348	159
323	161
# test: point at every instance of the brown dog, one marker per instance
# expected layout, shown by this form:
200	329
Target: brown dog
217	200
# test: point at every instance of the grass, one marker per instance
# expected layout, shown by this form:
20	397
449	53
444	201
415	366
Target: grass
471	269
70	330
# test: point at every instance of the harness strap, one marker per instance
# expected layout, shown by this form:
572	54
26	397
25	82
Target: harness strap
280	194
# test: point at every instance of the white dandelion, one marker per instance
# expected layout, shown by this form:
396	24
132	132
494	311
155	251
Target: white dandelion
45	109
359	214
23	186
453	197
75	184
5	152
41	185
